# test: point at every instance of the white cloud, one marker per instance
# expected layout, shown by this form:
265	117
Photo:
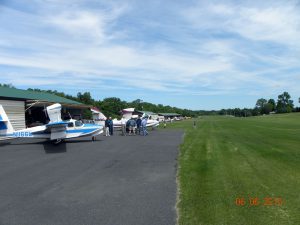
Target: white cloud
279	24
81	23
270	22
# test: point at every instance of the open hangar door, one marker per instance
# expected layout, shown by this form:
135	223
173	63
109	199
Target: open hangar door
36	113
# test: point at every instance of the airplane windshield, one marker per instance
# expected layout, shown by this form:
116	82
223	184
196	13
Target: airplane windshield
78	123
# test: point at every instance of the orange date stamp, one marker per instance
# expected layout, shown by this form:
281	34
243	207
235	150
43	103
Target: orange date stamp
256	201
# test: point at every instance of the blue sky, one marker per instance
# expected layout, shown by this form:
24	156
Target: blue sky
189	54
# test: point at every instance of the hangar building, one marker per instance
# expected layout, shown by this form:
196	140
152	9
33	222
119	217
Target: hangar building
169	116
26	108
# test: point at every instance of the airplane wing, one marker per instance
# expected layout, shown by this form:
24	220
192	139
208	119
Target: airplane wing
57	130
56	127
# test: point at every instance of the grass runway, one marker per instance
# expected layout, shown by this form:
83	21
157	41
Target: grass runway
240	171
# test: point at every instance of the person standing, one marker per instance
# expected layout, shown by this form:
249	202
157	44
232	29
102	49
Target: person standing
110	126
107	127
144	126
123	124
132	125
138	125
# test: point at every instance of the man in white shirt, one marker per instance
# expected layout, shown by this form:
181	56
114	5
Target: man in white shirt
144	126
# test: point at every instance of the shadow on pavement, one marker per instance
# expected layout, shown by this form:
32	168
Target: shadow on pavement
4	143
78	141
51	148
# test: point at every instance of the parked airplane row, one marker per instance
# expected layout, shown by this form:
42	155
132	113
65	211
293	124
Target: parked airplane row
57	129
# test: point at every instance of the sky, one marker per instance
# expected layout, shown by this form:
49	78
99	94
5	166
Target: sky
201	54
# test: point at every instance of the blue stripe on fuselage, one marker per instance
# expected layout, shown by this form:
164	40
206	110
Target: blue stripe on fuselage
85	131
91	125
56	123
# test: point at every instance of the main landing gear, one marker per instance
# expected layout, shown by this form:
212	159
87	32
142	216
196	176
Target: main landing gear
57	141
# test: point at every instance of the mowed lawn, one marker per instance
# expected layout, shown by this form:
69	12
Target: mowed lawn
240	171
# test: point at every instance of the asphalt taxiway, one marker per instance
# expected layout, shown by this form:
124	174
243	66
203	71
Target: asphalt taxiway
115	180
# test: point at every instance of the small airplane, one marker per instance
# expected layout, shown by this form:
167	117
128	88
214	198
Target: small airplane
56	130
128	114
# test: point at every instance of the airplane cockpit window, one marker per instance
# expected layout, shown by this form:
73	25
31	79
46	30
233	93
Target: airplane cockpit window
70	124
78	123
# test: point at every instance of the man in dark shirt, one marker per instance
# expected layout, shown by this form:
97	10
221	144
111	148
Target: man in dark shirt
107	127
138	125
110	126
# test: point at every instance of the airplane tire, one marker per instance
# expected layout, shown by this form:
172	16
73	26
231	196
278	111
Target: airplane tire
93	138
57	141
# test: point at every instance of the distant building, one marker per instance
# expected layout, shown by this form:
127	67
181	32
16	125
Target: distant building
26	108
171	116
151	115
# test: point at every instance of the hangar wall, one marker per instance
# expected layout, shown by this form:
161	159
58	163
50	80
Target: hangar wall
15	111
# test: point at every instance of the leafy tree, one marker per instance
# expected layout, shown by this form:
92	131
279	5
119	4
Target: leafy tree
85	98
255	112
112	106
284	104
260	105
267	108
87	114
7	85
272	103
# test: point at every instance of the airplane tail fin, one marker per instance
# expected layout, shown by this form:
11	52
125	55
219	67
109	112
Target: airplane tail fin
6	129
54	113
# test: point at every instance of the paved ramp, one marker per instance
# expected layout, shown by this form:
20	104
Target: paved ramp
113	181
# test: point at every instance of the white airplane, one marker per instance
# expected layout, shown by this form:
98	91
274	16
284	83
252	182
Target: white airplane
56	130
128	114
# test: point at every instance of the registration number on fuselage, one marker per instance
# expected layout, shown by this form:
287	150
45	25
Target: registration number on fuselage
22	134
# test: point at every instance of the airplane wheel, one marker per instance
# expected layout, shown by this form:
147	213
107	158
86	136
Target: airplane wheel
57	141
93	138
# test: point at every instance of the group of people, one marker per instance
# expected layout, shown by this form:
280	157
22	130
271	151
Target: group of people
131	127
138	126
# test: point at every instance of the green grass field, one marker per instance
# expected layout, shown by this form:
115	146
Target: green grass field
225	161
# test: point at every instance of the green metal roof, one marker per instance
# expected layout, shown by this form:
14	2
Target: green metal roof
169	114
34	95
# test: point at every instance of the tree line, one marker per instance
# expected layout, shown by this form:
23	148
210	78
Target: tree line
112	106
284	104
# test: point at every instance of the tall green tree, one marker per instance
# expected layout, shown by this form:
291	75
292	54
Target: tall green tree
85	98
284	103
272	103
261	104
112	106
